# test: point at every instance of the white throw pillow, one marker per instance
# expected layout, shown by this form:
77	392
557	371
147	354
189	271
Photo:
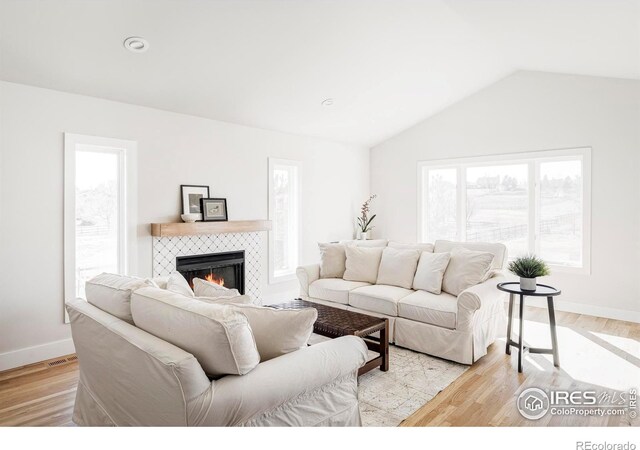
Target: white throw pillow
431	268
362	263
420	246
161	282
228	300
204	288
332	260
178	284
217	335
466	268
112	293
279	331
398	267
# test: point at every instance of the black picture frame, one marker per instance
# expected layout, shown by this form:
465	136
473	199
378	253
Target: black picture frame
191	195
205	206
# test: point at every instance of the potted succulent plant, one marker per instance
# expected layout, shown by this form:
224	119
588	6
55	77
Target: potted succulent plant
364	221
528	268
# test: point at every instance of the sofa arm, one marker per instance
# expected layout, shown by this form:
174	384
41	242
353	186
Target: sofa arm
307	275
238	399
481	299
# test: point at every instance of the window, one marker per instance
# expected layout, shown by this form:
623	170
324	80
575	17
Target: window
99	200
284	212
532	202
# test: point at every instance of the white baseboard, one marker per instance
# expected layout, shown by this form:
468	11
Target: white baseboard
589	310
37	353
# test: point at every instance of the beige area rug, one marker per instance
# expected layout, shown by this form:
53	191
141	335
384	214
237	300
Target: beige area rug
387	398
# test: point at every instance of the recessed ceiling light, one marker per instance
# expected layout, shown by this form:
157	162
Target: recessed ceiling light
136	44
327	102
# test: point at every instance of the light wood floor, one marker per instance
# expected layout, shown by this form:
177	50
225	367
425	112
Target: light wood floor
595	353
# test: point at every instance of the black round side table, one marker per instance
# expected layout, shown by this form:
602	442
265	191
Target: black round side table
542	290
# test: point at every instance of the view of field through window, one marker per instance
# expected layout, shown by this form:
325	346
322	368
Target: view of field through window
97	216
285	220
497	206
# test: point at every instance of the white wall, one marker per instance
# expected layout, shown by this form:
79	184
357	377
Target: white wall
530	111
173	149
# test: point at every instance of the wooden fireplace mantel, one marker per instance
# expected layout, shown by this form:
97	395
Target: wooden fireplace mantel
200	228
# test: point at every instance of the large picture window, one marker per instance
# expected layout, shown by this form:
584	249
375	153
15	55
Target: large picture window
532	202
99	202
284	213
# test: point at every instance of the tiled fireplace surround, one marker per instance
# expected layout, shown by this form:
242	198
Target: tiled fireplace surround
166	249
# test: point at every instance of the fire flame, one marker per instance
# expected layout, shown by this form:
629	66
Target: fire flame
215	279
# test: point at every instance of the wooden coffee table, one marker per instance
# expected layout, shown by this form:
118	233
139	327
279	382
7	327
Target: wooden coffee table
335	322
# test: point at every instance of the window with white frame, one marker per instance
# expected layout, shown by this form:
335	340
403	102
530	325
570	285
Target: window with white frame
532	202
99	209
284	213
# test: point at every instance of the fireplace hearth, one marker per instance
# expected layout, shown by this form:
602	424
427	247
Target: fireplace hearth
224	268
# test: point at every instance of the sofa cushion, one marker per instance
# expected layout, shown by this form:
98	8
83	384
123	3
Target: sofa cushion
112	293
430	271
422	306
398	267
204	288
466	268
217	335
420	246
362	263
279	331
178	284
379	298
496	249
334	289
228	300
332	260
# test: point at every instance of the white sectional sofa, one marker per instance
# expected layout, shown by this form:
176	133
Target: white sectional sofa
454	327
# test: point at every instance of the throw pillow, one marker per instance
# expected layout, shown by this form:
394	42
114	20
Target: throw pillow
204	288
398	267
279	331
431	268
362	263
217	335
332	260
161	282
112	293
178	284
466	268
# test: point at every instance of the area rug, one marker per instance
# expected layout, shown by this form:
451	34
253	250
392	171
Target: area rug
387	398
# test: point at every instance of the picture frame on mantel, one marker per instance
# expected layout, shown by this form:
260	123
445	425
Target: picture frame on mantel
214	209
191	195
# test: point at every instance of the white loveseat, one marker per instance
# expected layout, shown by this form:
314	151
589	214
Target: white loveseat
458	328
131	377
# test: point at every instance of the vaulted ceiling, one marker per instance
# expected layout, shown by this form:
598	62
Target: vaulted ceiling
270	63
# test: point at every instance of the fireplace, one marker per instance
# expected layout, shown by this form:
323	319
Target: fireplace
225	268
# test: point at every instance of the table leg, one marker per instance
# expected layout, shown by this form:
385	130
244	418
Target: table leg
554	337
384	347
520	337
509	325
